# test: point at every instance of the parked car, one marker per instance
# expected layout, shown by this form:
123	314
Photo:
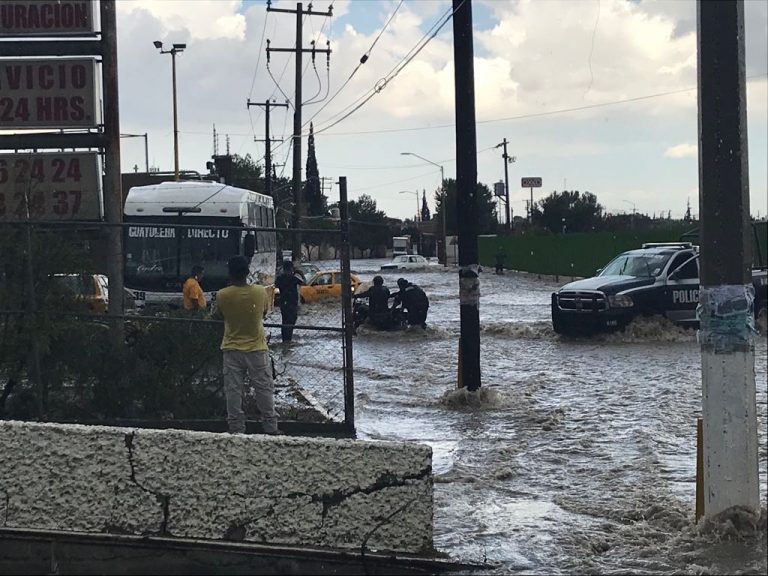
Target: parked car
408	262
658	279
325	284
87	292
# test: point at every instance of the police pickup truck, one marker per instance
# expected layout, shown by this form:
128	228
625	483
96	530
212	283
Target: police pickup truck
658	279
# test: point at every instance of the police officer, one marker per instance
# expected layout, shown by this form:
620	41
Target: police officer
288	283
378	303
414	300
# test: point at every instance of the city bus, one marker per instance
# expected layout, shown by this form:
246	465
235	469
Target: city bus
158	257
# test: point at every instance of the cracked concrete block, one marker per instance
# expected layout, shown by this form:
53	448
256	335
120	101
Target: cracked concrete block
68	478
283	490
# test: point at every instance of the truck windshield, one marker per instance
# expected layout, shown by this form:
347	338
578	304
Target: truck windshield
642	265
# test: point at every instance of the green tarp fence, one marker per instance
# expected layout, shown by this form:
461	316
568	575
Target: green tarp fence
581	254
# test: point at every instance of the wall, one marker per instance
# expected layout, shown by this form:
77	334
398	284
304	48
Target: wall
577	254
280	490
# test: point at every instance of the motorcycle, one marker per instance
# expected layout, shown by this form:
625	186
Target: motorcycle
395	320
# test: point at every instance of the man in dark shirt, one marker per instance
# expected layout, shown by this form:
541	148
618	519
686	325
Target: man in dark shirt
414	300
378	303
288	284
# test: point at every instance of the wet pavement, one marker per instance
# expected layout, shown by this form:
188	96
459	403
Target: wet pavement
578	455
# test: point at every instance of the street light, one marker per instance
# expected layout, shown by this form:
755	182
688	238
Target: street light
173	51
444	200
417	201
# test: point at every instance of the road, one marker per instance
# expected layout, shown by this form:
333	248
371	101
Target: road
578	455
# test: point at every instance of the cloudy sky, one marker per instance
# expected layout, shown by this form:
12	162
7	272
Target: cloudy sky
596	95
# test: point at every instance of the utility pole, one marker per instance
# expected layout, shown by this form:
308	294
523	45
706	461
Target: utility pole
726	297
267	141
298	52
113	193
466	194
507	160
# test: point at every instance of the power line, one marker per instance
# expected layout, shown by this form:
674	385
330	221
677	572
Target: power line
381	84
362	61
530	115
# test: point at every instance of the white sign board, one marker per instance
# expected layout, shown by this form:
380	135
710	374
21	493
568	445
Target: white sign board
530	183
46	17
48	93
50	186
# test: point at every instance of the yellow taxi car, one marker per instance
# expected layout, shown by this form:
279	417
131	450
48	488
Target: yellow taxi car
325	284
82	292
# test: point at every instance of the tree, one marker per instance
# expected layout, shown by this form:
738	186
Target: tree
247	174
425	214
368	227
317	203
572	210
486	205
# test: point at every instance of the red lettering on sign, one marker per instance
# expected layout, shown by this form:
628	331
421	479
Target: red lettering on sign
45	77
40	15
78	76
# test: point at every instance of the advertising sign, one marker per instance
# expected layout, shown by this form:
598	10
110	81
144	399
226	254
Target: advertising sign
48	93
530	183
46	17
50	186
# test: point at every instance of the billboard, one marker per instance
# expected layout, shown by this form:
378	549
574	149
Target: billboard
534	182
48	93
50	186
46	18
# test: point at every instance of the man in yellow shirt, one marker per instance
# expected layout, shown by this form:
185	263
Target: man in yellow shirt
194	297
244	346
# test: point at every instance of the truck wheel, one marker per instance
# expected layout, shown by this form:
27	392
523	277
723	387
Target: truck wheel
761	318
557	324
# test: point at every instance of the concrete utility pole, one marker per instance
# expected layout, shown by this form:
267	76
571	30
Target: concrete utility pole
443	201
267	142
726	296
298	52
507	160
466	194
113	192
176	49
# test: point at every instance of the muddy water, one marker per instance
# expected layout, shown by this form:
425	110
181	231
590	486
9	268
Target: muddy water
579	456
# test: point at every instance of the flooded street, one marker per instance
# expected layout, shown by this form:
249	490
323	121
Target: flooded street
579	455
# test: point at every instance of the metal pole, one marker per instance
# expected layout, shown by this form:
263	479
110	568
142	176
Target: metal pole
506	184
35	372
175	119
297	196
146	151
530	209
267	153
444	210
346	299
113	195
466	193
726	294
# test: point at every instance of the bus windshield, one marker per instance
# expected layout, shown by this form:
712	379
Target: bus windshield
160	252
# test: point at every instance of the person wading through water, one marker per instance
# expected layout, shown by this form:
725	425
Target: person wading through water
288	284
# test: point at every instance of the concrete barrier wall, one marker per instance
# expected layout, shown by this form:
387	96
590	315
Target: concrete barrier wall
281	490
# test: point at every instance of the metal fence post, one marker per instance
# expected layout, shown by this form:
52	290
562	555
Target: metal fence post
346	303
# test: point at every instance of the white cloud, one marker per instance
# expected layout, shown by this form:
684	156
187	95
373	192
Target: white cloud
535	59
682	151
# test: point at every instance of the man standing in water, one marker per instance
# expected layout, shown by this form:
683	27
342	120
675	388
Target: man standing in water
244	346
414	300
288	283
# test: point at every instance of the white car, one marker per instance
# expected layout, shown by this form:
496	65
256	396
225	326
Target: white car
407	262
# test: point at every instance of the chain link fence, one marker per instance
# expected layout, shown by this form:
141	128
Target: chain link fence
59	360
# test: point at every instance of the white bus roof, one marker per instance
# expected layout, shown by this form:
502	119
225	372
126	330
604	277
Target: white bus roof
213	199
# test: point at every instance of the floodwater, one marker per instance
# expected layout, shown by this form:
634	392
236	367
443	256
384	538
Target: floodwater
577	456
